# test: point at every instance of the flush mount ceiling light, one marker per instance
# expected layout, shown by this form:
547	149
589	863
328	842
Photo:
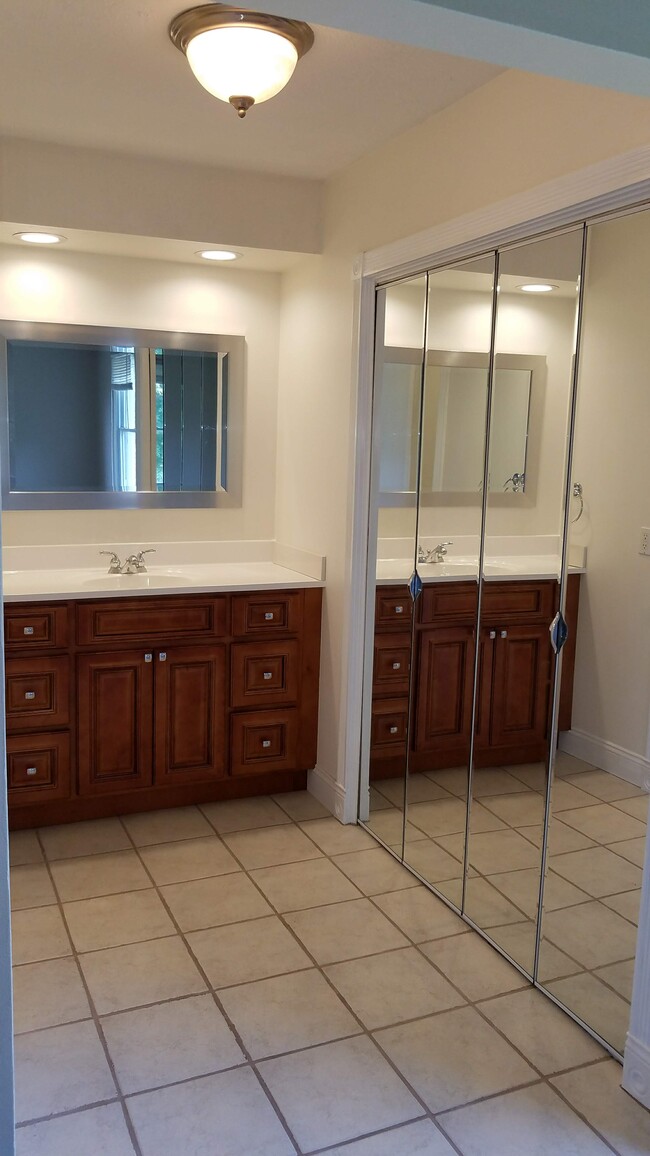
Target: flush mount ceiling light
538	287
241	57
219	255
40	238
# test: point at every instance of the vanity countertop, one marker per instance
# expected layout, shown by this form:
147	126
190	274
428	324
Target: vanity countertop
60	584
497	569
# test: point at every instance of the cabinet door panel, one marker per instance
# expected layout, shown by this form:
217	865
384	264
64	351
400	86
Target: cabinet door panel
115	694
392	663
38	693
444	693
150	619
264	741
520	690
264	673
38	768
36	627
190	714
267	613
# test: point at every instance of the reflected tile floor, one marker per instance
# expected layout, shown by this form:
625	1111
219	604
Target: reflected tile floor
176	991
594	875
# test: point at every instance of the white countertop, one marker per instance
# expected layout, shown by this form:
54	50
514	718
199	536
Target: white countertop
58	584
497	569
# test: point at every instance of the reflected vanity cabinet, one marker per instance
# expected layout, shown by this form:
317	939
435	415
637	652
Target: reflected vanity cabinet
514	680
129	704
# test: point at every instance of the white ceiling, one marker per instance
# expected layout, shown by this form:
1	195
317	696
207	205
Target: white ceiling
106	75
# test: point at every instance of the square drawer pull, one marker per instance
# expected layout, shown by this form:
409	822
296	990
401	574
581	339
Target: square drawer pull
397	666
267	675
399	609
393	730
28	629
29	694
266	742
32	771
268	616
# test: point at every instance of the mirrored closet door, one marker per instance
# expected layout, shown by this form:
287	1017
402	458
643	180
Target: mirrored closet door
507	686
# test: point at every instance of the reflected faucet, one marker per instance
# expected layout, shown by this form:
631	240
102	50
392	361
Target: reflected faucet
438	554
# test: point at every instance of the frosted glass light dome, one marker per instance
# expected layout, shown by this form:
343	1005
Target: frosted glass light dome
239	56
242	62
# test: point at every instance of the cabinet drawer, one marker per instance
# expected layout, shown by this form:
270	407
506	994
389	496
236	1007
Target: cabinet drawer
30	627
38	693
270	613
443	601
264	741
38	768
153	620
392	664
393	608
519	602
389	726
264	673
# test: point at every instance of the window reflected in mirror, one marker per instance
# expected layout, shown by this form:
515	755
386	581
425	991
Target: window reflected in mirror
94	421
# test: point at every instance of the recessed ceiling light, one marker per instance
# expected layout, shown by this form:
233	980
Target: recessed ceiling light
219	255
40	238
538	287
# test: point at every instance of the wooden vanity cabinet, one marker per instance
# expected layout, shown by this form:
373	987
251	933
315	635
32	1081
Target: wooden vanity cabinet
515	671
158	701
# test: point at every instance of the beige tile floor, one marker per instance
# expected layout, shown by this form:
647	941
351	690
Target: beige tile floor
592	890
253	979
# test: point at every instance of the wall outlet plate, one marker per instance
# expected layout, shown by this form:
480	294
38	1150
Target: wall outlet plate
644	548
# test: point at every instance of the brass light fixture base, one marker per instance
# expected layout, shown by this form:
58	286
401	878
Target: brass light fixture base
207	17
241	105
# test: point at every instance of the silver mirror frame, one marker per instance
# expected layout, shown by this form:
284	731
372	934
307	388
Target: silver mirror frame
234	347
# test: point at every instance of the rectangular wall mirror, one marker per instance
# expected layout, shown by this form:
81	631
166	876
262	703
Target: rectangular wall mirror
453	432
114	418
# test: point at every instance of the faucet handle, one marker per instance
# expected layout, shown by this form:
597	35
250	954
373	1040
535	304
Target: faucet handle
115	564
139	558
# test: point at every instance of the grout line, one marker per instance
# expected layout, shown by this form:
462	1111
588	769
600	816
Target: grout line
93	1011
320	968
231	1025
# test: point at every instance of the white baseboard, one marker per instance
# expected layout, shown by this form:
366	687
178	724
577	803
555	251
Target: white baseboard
636	1070
608	756
328	792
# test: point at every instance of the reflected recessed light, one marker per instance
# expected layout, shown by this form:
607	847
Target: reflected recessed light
219	255
538	287
40	238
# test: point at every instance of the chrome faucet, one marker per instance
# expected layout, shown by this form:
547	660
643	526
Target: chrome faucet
438	554
135	563
115	566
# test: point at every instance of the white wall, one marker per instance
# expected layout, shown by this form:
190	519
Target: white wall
84	289
612	461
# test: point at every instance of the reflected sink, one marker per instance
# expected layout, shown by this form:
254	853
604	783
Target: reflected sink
151	580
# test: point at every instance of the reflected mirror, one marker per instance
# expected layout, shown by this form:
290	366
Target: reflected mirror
116	422
453	432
